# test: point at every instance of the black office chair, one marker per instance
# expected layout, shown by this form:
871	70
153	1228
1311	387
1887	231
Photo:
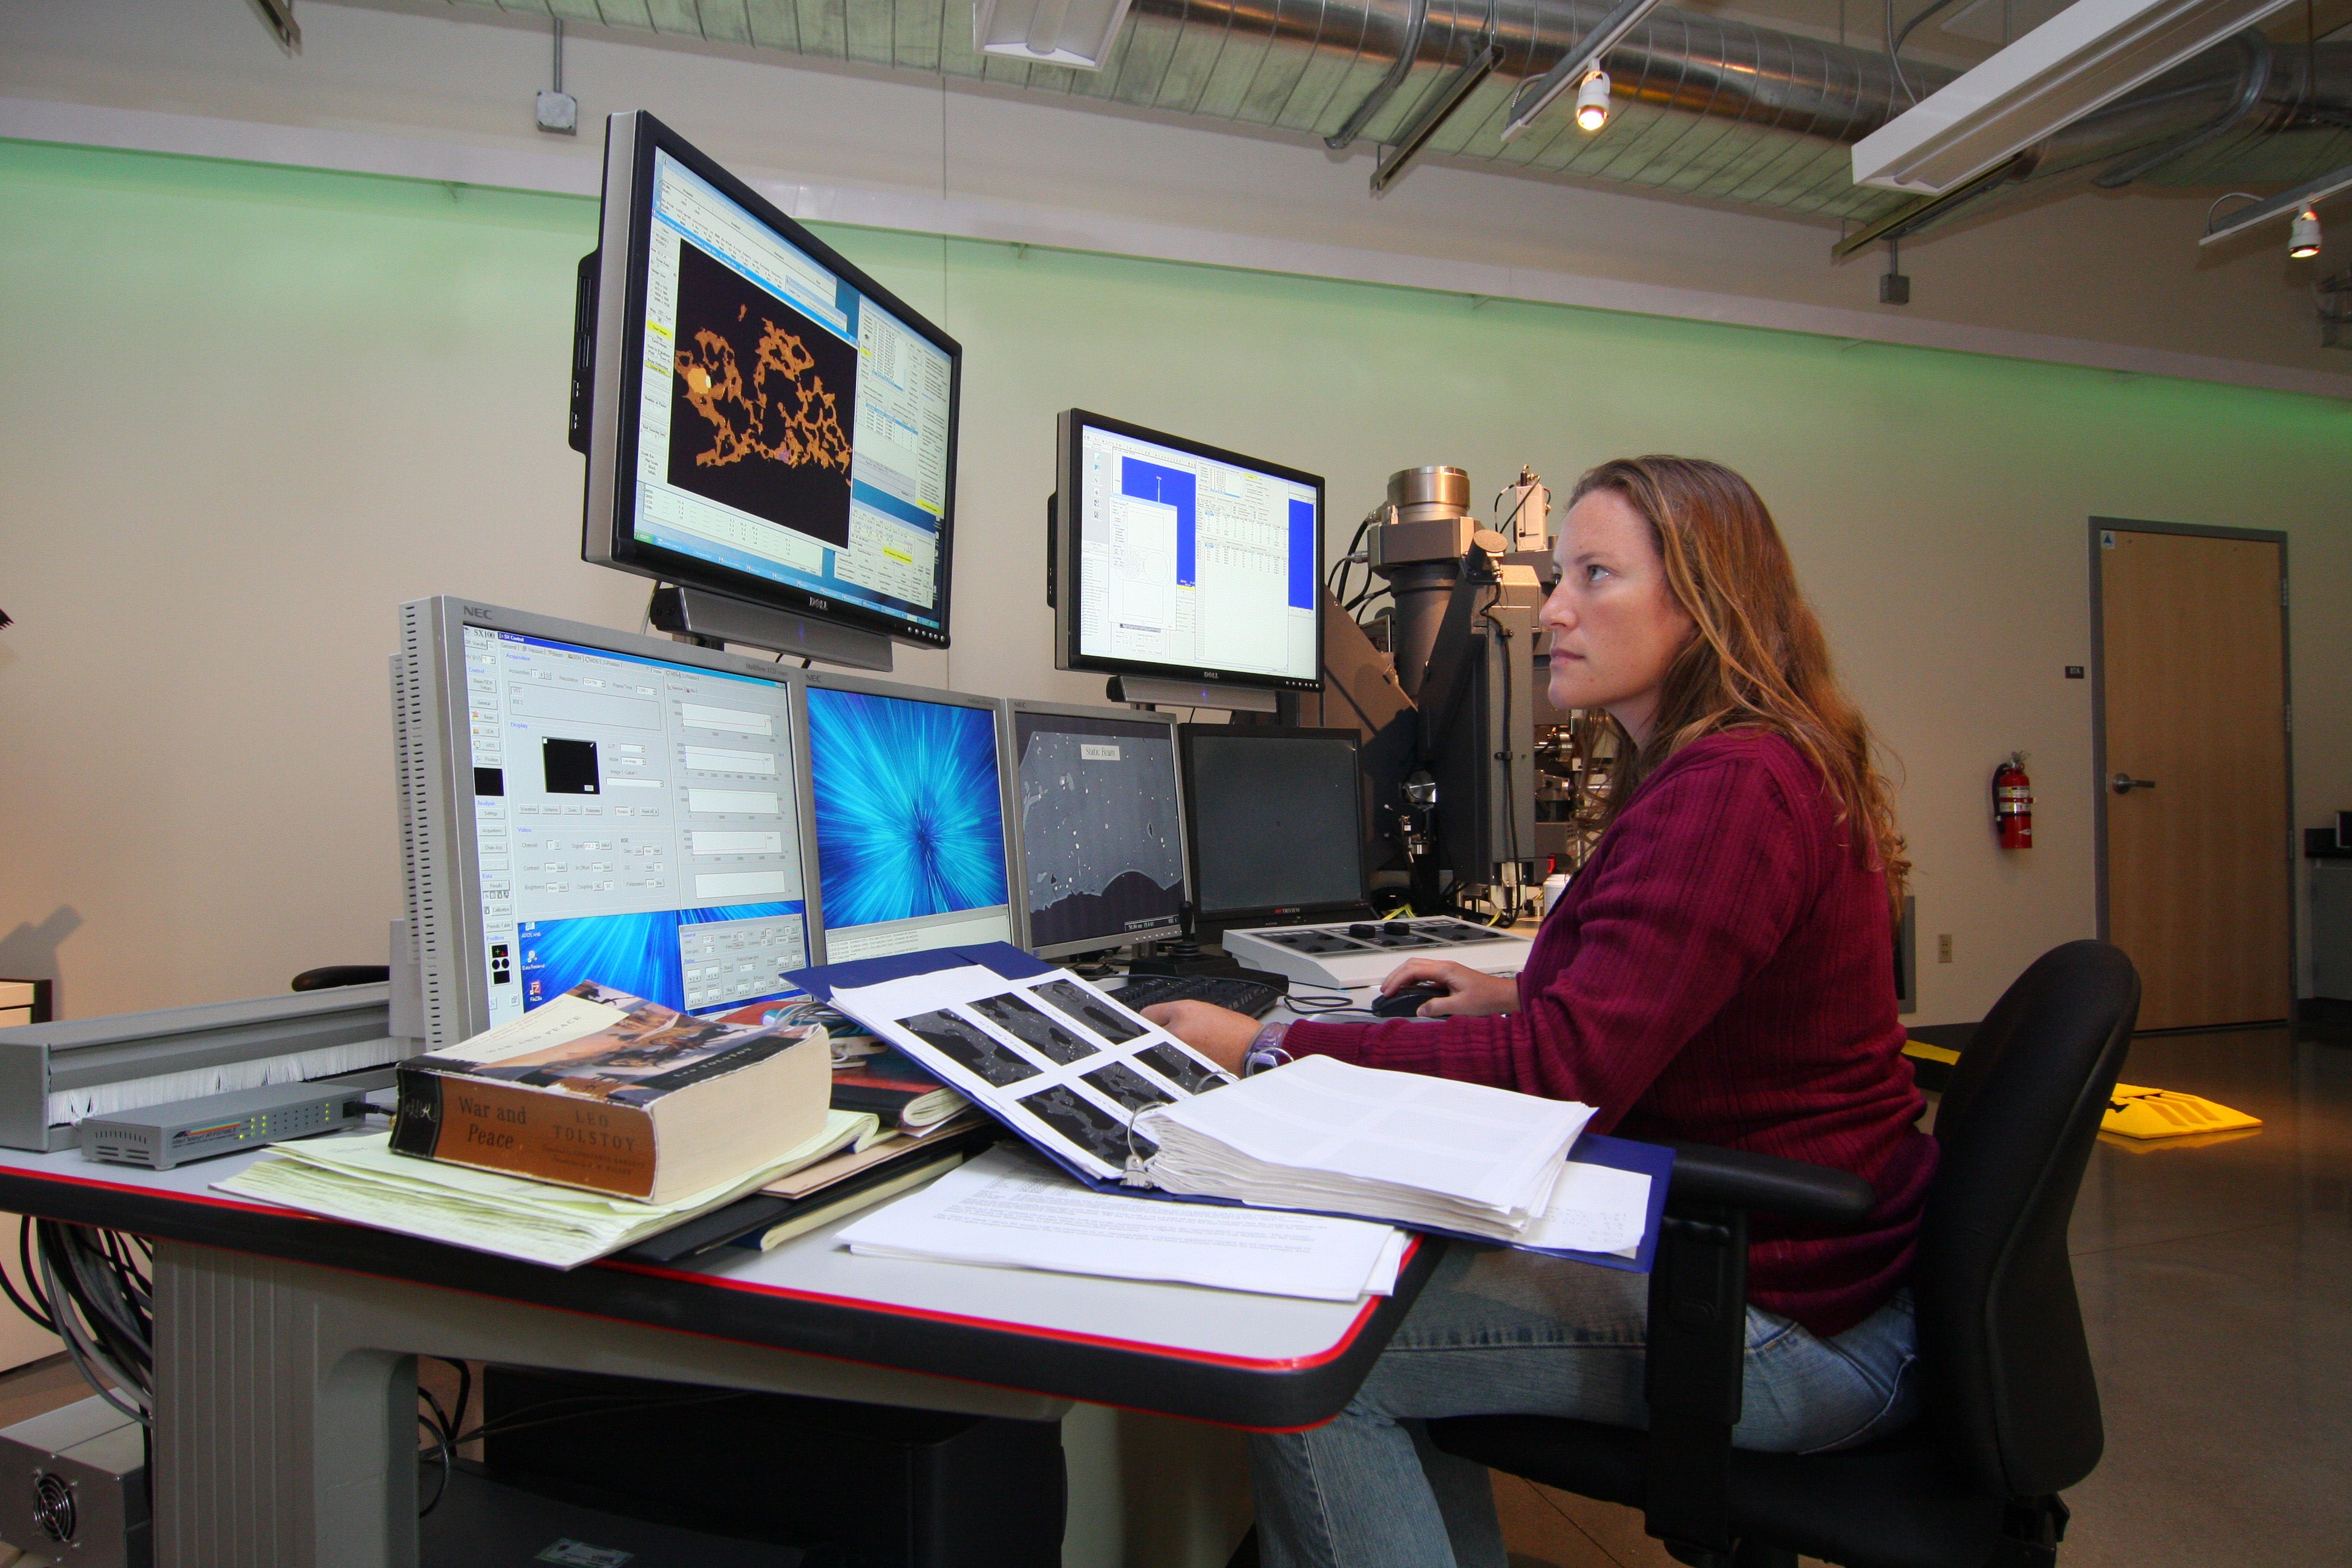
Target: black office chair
335	974
2012	1414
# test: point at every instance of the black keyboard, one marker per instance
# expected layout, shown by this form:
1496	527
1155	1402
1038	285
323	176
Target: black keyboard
1248	996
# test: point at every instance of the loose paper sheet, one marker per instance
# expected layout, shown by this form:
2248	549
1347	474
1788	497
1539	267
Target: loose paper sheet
1008	1209
361	1180
1593	1208
557	1021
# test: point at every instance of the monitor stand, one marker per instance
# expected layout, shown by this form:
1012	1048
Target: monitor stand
1161	694
711	619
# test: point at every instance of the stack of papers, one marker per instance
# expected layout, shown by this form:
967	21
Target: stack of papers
1320	1134
1011	1210
361	1180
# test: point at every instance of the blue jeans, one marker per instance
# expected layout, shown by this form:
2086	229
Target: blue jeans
1502	1333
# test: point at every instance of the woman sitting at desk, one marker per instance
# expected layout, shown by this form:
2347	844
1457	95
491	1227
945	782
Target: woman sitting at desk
1721	971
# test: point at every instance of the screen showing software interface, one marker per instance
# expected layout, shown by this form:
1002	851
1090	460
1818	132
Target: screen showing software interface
1276	821
788	427
910	823
638	825
1100	851
1189	561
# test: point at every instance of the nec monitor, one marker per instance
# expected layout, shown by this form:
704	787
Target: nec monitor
1097	827
762	419
578	803
908	804
1181	561
1273	816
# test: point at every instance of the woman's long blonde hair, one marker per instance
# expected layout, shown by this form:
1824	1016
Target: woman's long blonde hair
1756	659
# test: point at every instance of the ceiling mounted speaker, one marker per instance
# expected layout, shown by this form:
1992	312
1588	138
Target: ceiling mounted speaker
2085	57
1077	33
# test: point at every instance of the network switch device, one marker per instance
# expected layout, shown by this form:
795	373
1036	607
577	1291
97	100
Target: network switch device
1351	954
171	1135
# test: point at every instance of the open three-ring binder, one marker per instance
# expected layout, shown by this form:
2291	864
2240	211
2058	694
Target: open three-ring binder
1086	1082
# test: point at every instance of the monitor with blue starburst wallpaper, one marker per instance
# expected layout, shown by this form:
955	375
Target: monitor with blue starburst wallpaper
909	822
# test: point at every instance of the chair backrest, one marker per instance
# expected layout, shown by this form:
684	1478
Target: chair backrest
2008	1372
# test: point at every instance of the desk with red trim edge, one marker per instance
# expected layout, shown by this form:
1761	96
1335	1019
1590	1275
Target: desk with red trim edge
284	1347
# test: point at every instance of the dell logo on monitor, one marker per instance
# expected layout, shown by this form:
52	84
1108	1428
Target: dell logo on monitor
817	604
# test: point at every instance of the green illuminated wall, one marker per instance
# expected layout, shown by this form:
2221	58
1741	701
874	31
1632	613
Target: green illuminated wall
245	411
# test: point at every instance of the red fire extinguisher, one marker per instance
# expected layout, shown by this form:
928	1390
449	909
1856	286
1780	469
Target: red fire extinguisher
2013	803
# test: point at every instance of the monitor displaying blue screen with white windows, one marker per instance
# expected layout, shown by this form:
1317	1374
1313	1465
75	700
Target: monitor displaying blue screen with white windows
771	423
910	812
650	814
1182	560
577	804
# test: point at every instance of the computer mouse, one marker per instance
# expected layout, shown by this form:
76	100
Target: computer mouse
1407	1002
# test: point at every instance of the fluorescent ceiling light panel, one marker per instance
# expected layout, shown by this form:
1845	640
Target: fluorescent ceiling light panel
1077	33
2088	55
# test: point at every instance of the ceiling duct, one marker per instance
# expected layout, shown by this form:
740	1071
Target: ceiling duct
1705	106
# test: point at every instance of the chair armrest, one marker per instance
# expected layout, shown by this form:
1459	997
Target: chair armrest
1764	1184
336	974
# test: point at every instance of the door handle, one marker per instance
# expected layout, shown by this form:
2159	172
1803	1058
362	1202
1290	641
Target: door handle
2124	784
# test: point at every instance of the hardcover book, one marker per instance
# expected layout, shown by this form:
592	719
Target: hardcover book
600	1089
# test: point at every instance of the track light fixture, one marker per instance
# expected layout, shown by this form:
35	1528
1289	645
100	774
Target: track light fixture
1592	101
2302	237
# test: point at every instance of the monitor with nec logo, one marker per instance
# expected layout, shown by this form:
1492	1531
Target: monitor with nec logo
579	804
1176	559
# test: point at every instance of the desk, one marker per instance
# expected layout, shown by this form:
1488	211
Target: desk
286	1346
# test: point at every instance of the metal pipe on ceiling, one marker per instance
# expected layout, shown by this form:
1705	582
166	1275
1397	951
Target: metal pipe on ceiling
1706	105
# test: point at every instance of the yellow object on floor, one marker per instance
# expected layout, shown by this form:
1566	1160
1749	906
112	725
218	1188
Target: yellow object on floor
2136	1112
1920	1051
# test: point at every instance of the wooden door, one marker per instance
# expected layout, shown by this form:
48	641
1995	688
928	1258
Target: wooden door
2199	875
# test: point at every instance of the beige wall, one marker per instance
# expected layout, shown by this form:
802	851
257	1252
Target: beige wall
245	411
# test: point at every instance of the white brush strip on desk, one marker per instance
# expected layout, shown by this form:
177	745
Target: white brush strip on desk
71	1105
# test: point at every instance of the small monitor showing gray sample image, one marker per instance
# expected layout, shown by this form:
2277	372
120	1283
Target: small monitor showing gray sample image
1100	829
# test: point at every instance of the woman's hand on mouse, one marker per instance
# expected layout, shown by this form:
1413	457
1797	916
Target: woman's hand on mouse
1219	1034
1468	992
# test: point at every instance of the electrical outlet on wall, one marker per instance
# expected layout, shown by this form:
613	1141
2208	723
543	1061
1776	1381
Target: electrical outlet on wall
1944	947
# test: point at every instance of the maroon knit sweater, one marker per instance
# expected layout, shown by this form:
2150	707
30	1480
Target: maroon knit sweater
1721	971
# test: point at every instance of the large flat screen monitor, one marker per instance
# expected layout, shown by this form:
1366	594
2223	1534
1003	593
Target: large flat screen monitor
766	422
1098	826
579	804
1184	561
907	802
1273	818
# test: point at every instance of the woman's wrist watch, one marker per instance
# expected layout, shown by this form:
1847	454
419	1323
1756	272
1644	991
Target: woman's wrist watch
1265	1050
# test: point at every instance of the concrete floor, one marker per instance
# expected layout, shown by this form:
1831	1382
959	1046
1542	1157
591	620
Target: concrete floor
2215	1282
